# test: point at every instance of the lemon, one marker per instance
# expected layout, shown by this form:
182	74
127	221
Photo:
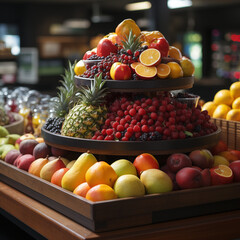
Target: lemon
79	68
221	111
223	97
176	70
187	67
235	90
210	107
236	103
233	115
220	160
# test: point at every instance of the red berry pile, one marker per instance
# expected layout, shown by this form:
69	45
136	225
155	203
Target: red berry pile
150	119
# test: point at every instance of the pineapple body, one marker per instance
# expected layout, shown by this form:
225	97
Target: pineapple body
84	120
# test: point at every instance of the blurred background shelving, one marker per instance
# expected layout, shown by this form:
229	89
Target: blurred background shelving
37	38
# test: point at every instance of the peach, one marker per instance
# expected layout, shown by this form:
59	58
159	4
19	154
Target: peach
12	156
27	146
25	161
235	166
145	161
229	156
202	158
58	175
236	153
82	189
41	150
219	147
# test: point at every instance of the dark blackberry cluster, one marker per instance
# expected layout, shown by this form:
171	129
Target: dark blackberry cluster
95	57
151	136
54	125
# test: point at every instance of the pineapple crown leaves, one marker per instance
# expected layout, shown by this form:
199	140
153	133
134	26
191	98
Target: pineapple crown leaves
67	92
131	42
95	94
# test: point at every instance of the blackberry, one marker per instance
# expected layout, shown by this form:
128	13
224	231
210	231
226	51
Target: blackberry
144	137
54	125
152	136
197	128
95	57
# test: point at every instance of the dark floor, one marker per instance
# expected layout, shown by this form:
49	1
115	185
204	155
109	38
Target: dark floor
12	229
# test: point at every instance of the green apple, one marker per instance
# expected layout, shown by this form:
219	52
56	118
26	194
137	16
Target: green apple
123	166
156	181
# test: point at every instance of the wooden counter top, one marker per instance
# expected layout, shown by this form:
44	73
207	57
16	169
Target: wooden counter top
54	225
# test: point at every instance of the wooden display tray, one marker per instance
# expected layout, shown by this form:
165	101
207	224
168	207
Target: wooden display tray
141	85
130	148
127	212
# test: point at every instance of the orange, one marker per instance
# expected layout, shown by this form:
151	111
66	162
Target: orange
221	111
163	70
223	97
187	67
210	107
176	70
101	192
236	103
149	36
127	25
145	72
150	57
228	155
101	173
79	68
82	189
224	171
233	115
221	174
174	53
58	175
235	89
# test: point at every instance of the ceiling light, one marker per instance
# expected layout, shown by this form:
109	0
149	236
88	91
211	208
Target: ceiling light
77	23
172	4
138	6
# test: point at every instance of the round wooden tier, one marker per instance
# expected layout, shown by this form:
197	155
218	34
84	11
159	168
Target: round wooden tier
141	85
128	148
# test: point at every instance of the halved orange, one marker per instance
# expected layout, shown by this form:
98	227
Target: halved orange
150	57
221	174
163	70
174	53
176	70
145	72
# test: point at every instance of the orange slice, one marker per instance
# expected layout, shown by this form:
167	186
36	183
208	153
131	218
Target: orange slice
221	174
174	53
134	65
224	170
163	70
150	57
145	72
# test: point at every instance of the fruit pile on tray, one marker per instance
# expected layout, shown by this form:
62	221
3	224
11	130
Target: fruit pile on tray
130	53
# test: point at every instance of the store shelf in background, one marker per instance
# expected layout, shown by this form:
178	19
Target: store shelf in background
230	132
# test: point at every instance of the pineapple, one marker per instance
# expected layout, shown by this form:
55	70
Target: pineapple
67	93
85	118
4	118
131	42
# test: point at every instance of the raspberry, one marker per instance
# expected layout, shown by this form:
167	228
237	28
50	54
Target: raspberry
109	131
123	121
115	124
124	139
120	113
132	112
130	130
145	128
107	122
128	135
100	138
136	128
152	109
141	111
118	135
153	116
128	118
120	128
103	132
149	101
150	122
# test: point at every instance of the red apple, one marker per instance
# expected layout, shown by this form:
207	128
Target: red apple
178	161
105	47
235	166
161	44
189	177
206	177
25	161
202	158
120	71
145	161
23	137
88	54
221	174
221	146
